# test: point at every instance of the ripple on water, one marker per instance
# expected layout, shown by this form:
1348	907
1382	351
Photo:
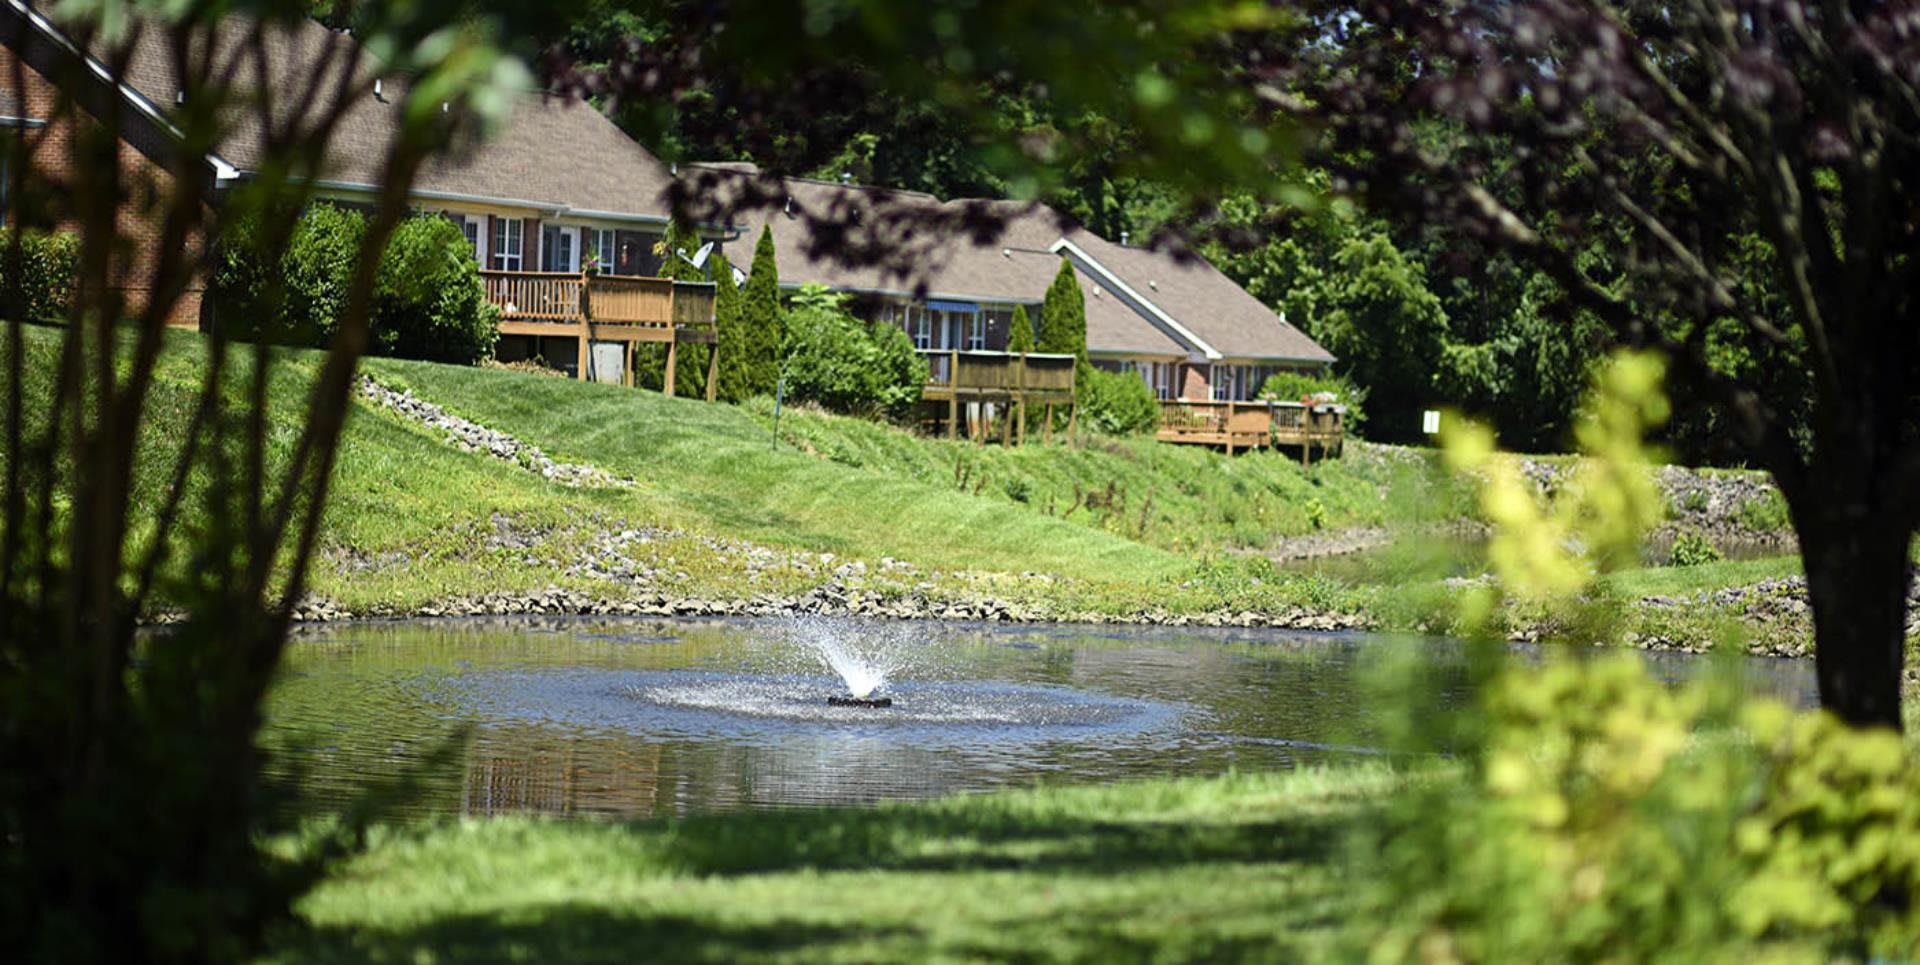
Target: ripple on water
745	706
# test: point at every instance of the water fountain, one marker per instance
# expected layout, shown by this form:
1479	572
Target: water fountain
864	658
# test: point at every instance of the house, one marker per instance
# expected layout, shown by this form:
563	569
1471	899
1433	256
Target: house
1190	331
561	189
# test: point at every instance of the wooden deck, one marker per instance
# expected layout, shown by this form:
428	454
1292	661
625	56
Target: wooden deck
606	308
1252	425
962	378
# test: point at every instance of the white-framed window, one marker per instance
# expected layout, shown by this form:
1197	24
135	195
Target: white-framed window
920	326
474	229
508	238
600	243
976	332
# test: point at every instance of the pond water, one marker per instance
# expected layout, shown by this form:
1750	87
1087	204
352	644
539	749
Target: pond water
634	718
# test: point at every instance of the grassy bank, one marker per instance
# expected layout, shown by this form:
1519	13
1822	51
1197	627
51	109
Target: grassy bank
1234	867
1091	528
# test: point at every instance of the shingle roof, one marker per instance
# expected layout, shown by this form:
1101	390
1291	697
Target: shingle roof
1019	265
552	152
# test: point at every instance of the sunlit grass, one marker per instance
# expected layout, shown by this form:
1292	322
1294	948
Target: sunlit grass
1244	865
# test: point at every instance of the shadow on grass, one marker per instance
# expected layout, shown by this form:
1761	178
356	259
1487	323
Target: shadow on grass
1009	878
567	933
972	839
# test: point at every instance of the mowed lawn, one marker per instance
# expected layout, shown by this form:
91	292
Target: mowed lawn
1238	867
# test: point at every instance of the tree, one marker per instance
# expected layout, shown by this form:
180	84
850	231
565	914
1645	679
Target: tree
675	249
1020	331
135	806
1063	316
1644	157
730	333
763	321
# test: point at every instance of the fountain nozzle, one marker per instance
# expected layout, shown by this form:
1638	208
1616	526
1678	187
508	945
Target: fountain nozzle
867	702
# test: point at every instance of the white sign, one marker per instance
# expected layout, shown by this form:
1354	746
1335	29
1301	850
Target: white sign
1430	422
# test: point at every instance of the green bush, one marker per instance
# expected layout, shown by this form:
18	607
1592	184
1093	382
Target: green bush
1768	514
299	299
1117	403
1692	549
1294	386
49	265
428	300
846	365
1602	814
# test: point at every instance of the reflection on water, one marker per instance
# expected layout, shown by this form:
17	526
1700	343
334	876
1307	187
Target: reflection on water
635	718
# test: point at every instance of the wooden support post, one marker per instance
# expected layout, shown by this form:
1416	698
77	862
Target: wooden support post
953	415
713	369
584	360
1047	433
1073	417
1006	425
673	356
1020	415
626	364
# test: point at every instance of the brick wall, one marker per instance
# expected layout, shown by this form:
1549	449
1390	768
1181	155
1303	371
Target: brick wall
1192	382
145	183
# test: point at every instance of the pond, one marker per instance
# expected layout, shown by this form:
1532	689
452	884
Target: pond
632	718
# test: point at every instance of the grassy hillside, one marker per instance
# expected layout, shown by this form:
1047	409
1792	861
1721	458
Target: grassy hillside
721	510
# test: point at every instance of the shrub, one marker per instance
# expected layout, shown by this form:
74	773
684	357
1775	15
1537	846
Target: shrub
1605	815
1692	549
428	300
1767	514
310	281
1117	403
1294	386
49	265
843	364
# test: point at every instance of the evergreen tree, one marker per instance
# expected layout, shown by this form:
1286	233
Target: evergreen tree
680	238
1063	316
730	325
1020	333
763	319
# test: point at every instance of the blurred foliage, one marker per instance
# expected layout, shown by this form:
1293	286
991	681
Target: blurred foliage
1601	813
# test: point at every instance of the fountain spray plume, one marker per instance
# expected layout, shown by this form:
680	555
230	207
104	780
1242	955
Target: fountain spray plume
864	655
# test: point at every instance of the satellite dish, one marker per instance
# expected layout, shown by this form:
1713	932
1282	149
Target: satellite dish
700	257
739	277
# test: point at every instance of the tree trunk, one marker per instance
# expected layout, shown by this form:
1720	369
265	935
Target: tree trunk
1855	548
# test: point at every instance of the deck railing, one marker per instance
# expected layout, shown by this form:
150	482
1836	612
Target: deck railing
1000	374
1244	425
544	296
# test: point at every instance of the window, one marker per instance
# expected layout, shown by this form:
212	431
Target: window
470	226
976	332
600	245
559	248
508	236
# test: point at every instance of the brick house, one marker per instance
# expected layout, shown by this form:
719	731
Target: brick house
559	191
1188	330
